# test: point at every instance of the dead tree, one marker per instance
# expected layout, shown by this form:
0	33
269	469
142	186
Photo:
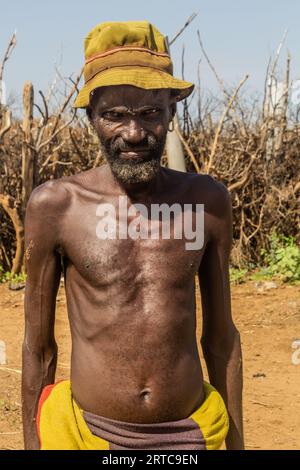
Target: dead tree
28	153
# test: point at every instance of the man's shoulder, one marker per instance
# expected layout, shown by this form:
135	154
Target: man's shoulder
57	194
49	196
212	189
214	195
202	187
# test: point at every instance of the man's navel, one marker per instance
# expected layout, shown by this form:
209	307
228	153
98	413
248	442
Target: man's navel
145	394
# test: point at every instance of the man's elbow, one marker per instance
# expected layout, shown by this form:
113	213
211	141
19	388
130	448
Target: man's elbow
224	346
38	366
39	352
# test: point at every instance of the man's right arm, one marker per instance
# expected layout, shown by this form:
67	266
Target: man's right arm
43	265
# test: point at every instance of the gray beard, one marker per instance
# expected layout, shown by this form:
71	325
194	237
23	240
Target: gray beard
137	170
131	172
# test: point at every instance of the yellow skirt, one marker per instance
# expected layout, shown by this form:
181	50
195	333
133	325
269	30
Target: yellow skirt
62	425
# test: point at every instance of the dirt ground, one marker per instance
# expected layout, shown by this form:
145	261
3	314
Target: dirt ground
269	322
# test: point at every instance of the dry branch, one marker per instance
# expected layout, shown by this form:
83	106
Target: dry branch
221	83
186	24
67	100
221	123
7	123
11	45
187	148
9	205
28	155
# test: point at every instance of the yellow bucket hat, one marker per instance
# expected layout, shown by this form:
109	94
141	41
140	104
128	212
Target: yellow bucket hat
128	53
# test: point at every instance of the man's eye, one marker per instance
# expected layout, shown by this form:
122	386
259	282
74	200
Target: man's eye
150	112
111	115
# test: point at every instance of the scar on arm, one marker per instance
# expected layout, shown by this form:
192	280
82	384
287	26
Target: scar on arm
29	249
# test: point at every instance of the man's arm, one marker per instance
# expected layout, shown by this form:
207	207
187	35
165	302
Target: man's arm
43	275
220	339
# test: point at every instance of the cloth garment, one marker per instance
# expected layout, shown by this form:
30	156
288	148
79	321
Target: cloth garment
62	425
128	53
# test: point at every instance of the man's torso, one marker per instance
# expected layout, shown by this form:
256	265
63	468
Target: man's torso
131	306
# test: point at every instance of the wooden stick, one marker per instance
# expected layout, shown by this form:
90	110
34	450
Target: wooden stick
188	150
221	83
60	129
9	205
186	24
9	433
221	123
278	52
48	159
283	112
7	125
67	100
28	155
11	45
219	80
243	180
10	370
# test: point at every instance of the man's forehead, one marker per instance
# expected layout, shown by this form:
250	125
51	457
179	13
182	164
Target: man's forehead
126	95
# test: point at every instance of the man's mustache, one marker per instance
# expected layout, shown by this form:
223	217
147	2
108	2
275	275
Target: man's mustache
150	143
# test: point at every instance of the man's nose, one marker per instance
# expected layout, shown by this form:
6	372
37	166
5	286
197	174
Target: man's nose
133	132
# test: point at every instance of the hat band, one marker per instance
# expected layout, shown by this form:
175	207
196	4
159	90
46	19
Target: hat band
123	65
126	48
127	58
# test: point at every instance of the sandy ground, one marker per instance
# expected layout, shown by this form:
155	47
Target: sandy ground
269	322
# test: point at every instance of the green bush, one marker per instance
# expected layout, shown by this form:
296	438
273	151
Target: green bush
238	276
6	276
282	261
283	258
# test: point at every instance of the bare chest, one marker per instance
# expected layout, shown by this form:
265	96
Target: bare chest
105	246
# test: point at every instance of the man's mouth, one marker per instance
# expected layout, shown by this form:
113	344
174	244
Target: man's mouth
135	153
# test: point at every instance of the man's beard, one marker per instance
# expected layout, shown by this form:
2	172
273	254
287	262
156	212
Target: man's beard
136	170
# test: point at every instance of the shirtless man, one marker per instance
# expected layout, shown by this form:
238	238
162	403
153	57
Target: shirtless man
131	302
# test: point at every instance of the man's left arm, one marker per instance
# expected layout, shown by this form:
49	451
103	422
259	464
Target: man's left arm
220	338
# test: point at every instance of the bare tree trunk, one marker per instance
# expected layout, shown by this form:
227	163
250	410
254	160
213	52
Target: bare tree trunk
8	204
28	154
283	115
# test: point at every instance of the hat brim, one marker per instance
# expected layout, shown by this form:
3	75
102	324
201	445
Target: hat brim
145	77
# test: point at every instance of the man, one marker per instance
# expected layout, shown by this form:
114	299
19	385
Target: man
136	380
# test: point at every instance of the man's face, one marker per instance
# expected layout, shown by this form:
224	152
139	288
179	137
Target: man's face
132	125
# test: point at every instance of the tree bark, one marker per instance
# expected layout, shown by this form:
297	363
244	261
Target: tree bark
8	204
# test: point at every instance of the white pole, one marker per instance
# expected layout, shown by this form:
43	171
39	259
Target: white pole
174	150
